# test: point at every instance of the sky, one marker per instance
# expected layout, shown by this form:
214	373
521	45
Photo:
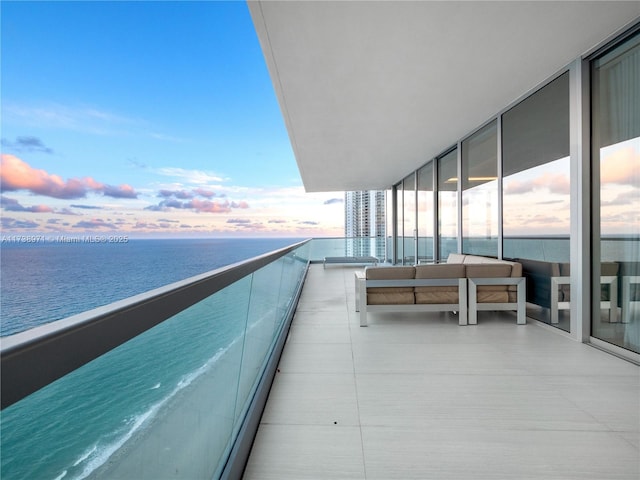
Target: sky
146	118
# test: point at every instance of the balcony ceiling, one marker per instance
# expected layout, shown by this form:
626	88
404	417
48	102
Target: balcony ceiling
370	91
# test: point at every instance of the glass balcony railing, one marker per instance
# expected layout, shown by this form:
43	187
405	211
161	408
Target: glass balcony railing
349	247
176	394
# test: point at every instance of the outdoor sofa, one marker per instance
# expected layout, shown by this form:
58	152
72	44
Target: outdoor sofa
464	284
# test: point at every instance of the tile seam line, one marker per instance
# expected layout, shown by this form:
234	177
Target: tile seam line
346	278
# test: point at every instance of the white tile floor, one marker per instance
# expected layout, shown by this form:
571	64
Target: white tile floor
415	396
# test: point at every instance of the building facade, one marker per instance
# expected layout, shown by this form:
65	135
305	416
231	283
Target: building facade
552	181
520	144
365	223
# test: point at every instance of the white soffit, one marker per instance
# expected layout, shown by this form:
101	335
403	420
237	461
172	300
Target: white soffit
370	91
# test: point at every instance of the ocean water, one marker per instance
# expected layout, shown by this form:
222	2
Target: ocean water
50	280
71	428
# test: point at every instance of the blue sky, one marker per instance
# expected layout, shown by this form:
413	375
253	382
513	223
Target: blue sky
146	118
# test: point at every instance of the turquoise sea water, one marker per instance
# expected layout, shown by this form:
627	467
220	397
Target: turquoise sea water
72	427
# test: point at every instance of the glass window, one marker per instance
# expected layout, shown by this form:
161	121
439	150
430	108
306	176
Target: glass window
425	214
448	204
399	223
480	192
536	197
616	165
409	220
389	218
379	229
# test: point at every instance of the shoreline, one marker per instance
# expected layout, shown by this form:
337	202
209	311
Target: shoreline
190	427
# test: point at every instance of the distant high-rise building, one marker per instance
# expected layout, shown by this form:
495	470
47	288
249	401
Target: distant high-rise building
365	223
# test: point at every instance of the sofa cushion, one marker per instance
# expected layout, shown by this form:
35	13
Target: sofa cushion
489	270
440	270
491	293
516	268
439	294
390	295
516	272
456	258
474	259
390	298
538	274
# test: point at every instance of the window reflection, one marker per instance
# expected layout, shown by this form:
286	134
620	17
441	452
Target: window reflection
616	157
536	198
425	213
400	222
480	192
409	220
448	204
537	203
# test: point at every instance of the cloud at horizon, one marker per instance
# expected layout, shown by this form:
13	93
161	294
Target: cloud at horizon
100	151
281	211
16	174
11	205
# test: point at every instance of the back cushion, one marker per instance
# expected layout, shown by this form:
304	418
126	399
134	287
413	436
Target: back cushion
455	258
516	269
389	295
439	294
478	259
489	270
490	293
390	273
441	270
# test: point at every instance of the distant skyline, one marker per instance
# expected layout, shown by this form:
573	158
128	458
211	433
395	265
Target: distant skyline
146	119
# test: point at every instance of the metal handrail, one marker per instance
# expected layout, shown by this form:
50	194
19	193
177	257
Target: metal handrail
37	357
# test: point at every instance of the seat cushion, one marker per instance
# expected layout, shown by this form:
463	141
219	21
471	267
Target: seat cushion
390	298
439	294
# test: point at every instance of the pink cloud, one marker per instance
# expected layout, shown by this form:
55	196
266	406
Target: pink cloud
208	206
121	191
197	205
16	174
181	194
204	193
554	182
621	167
12	205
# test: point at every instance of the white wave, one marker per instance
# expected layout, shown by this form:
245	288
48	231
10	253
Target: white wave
155	387
62	475
85	455
109	450
137	422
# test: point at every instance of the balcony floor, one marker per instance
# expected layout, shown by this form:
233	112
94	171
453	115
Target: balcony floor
411	397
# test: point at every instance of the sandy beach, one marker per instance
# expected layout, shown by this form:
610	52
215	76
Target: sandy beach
189	433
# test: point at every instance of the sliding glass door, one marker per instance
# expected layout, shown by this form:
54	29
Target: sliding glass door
616	205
